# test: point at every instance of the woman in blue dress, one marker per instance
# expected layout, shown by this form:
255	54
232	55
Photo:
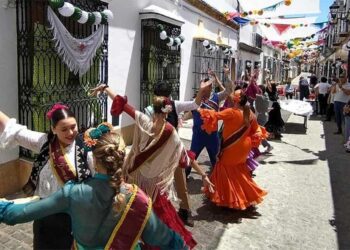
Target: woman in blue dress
106	212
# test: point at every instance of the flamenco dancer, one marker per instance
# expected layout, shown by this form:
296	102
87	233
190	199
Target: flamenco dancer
156	152
106	212
61	158
234	186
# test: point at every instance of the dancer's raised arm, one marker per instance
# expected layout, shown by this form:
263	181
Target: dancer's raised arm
119	102
3	120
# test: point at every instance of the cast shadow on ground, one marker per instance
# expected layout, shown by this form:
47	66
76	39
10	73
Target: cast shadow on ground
209	212
339	171
297	162
294	128
322	155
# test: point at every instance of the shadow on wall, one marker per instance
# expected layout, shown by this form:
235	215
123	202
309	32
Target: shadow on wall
339	170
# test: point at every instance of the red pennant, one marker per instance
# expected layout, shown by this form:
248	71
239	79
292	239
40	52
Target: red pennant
281	28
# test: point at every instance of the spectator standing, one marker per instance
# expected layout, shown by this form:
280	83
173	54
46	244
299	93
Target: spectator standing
303	89
289	90
341	97
322	92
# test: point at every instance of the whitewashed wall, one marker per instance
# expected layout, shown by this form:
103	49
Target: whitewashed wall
8	71
125	45
124	53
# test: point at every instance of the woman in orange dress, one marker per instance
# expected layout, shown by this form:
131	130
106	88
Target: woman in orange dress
234	186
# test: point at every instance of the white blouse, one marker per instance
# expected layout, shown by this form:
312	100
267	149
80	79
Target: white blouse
15	134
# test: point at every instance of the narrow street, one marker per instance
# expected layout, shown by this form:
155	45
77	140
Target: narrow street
306	207
308	201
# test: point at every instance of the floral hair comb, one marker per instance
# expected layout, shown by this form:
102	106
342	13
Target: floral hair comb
167	106
93	134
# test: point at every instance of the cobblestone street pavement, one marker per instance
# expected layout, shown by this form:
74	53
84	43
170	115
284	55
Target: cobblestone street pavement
307	206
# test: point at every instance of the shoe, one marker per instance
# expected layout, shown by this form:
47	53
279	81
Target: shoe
269	149
186	217
337	133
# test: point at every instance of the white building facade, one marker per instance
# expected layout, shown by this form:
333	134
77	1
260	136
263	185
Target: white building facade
125	41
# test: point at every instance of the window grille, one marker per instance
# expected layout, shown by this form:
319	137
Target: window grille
204	59
159	62
43	79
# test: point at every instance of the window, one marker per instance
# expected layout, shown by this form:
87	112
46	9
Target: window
159	62
205	58
43	79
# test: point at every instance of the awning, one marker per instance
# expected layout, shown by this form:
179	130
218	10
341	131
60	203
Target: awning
156	12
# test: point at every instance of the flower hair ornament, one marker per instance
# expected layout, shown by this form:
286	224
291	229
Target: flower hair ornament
54	108
93	134
167	106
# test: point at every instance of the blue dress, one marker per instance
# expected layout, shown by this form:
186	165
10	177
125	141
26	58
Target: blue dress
89	205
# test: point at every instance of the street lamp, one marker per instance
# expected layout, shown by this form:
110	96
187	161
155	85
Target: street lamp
334	8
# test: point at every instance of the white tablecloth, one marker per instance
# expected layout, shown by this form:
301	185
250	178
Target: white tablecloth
297	107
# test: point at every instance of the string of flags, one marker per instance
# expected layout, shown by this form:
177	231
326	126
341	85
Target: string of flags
260	12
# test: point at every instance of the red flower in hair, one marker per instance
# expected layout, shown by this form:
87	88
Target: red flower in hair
54	108
167	107
166	101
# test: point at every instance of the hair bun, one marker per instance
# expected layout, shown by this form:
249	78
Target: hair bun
110	158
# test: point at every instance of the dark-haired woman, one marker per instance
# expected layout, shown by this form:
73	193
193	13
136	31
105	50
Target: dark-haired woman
61	158
275	123
234	186
106	212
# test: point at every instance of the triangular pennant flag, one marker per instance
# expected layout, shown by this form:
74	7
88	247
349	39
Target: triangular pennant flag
281	28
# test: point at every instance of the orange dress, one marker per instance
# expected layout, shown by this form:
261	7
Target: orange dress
234	186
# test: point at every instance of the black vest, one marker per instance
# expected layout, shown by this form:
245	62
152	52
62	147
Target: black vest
80	163
173	117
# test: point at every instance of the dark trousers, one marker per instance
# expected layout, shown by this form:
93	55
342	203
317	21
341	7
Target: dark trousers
330	111
322	99
265	143
289	96
339	116
53	232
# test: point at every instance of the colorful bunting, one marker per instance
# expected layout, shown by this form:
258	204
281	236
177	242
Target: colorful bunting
281	28
274	6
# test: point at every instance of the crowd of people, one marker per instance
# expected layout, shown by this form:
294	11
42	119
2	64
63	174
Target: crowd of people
95	196
332	98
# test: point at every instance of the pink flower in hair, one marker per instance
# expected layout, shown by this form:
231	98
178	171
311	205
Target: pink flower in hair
55	107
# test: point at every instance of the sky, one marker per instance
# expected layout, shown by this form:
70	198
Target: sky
324	5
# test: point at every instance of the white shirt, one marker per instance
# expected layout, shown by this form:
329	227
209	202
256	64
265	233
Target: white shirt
323	87
340	96
180	106
15	134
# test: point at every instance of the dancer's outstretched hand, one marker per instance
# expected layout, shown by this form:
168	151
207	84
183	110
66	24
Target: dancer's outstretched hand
208	184
98	89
